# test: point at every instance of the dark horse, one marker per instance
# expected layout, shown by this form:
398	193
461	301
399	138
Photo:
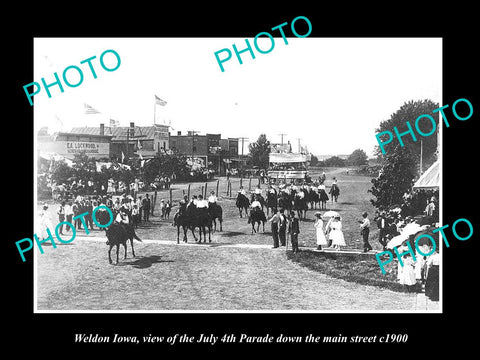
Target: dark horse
216	212
271	201
181	220
191	218
300	205
242	203
257	216
119	234
201	218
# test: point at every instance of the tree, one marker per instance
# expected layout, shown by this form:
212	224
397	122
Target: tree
166	164
334	161
84	167
357	158
410	111
395	179
314	161
259	152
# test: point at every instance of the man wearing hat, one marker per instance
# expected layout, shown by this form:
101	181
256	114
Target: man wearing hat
365	231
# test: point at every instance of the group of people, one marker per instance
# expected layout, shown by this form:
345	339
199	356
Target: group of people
125	209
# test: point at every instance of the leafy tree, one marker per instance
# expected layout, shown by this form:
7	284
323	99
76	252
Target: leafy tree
410	111
166	164
84	167
61	172
357	158
259	152
334	161
314	161
395	179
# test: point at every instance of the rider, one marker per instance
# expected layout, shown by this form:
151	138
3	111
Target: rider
212	199
256	205
122	217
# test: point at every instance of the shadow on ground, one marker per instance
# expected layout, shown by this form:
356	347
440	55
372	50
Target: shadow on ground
142	262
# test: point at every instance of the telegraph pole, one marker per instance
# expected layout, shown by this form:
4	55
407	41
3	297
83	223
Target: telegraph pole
242	138
193	143
299	147
281	135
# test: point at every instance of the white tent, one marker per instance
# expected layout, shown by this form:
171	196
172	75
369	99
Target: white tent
430	179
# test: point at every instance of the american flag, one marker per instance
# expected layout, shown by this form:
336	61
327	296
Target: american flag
159	101
90	110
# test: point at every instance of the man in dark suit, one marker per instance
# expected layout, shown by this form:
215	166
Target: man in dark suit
294	230
146	203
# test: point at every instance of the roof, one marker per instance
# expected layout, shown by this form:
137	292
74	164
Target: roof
147	132
430	179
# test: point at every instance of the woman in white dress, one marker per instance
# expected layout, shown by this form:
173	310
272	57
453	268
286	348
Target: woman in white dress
318	225
336	234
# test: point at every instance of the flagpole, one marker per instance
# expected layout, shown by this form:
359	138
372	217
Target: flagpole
154	111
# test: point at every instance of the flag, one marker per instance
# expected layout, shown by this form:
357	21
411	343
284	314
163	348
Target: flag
123	156
159	101
139	145
90	110
142	162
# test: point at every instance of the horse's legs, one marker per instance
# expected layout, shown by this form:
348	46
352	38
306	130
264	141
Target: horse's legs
263	223
118	248
125	247
209	234
133	251
185	229
178	234
109	257
221	221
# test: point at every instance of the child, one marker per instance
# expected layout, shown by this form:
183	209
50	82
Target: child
135	215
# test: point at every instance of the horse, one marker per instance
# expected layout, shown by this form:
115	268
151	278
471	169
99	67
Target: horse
257	216
334	191
300	205
201	219
312	197
323	198
119	234
216	212
271	202
242	202
181	220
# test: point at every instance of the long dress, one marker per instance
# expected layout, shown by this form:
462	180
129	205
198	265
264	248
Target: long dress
433	274
336	234
321	239
408	275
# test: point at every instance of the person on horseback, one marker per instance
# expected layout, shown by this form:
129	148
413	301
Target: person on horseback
212	199
256	205
122	217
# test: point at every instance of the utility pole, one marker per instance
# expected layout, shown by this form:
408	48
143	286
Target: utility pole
299	147
241	163
421	156
281	135
193	143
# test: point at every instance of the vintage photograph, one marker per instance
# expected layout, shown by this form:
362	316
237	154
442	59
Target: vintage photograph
270	174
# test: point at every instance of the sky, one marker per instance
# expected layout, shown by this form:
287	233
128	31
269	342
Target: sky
328	93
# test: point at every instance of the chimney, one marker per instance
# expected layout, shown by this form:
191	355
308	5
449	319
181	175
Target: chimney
102	129
132	124
179	133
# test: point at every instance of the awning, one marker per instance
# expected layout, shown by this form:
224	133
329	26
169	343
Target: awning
430	179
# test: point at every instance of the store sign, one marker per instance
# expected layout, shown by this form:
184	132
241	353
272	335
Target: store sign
68	149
